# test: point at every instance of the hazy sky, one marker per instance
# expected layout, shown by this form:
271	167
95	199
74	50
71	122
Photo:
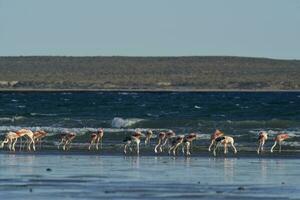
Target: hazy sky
263	28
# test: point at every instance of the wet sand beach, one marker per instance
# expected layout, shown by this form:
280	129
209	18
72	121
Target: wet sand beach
78	176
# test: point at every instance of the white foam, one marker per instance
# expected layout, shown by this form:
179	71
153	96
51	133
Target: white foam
43	114
119	122
292	144
80	131
291	133
4	119
152	115
11	119
21	106
203	136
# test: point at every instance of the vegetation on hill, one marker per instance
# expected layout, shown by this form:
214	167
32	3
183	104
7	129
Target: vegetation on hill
174	73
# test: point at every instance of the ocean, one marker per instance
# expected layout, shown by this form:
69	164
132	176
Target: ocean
239	114
57	176
49	173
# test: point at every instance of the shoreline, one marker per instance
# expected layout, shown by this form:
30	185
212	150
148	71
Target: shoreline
240	155
158	90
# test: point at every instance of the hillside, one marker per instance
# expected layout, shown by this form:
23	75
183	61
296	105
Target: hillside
149	73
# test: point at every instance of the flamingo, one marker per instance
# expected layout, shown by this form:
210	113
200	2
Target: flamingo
10	139
161	137
66	140
225	140
175	143
170	134
38	136
149	135
30	137
187	141
134	138
279	139
215	135
262	137
96	138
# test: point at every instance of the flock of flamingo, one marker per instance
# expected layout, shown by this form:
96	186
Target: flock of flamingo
165	140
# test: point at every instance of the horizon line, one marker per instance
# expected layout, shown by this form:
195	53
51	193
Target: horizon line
155	56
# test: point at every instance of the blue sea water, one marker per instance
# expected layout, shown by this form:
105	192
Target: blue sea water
146	177
76	175
240	114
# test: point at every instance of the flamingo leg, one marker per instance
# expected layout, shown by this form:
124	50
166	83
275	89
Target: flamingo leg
10	145
211	144
234	149
29	145
13	144
188	147
126	146
275	143
171	149
225	148
158	144
4	142
216	147
258	149
64	145
175	149
182	149
69	144
91	143
262	145
138	147
60	143
97	145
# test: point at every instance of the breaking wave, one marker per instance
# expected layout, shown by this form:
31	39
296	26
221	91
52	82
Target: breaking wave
80	131
44	114
119	122
11	119
273	123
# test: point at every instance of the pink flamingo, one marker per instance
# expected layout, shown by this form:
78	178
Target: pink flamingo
161	137
262	137
279	139
213	137
66	140
149	135
96	138
134	138
187	142
226	141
